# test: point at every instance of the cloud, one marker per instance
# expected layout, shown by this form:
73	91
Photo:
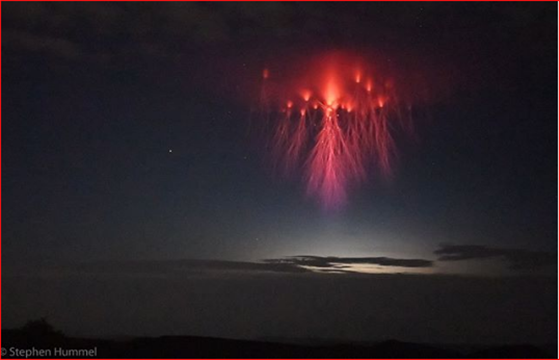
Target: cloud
154	268
518	259
50	45
59	29
192	267
342	262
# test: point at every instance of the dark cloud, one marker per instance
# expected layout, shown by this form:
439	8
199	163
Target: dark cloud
45	44
119	28
138	29
341	262
153	268
191	267
518	259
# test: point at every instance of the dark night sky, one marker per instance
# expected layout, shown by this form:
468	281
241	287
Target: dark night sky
96	96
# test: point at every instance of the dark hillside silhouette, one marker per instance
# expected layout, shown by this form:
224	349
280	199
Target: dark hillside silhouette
40	334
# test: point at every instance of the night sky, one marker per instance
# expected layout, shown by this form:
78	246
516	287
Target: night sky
134	188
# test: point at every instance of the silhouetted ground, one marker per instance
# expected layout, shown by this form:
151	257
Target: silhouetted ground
201	347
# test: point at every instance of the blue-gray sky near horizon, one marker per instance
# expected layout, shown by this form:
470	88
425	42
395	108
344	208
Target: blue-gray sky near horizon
124	142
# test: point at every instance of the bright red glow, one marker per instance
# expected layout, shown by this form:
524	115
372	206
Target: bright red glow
306	95
358	77
331	126
369	86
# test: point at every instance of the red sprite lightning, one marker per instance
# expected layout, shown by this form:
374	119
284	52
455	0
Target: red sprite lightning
332	121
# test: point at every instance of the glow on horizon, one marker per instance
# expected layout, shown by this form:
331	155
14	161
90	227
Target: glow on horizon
343	268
